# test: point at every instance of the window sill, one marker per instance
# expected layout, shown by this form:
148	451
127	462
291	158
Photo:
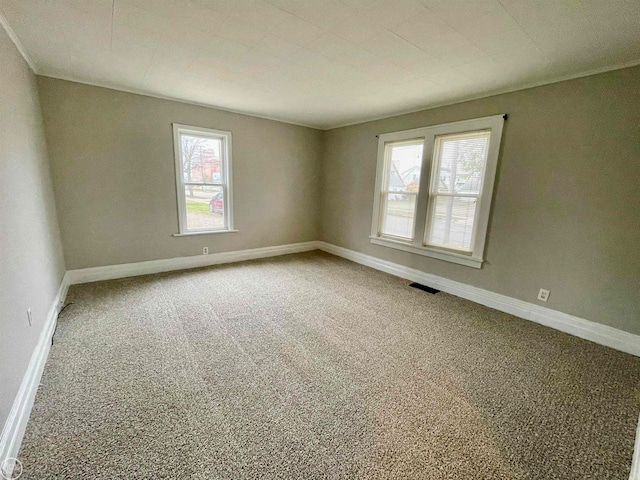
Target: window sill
429	252
208	232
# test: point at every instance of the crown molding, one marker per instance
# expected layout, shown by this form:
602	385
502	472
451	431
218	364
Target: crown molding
494	93
16	41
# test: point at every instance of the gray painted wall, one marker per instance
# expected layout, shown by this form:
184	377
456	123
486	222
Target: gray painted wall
113	171
31	261
566	209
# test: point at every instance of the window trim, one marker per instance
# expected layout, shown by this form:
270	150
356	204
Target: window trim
226	182
418	245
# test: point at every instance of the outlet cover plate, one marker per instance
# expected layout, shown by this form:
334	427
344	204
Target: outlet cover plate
543	295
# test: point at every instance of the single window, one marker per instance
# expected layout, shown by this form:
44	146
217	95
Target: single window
434	187
458	167
203	179
403	165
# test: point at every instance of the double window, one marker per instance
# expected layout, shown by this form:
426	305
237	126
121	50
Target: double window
434	187
203	179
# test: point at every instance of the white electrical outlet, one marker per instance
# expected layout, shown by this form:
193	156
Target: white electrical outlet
543	295
205	250
29	317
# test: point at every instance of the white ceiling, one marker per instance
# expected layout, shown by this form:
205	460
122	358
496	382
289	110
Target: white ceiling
324	63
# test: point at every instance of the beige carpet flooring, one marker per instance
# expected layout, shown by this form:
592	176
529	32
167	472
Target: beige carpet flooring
310	366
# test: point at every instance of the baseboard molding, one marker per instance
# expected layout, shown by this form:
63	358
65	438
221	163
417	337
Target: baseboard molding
16	423
110	272
635	462
586	329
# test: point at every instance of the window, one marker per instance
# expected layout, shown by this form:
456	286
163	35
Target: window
434	187
203	179
403	166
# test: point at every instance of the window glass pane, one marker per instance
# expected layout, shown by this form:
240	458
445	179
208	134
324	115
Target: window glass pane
452	222
398	213
205	207
201	159
462	162
404	167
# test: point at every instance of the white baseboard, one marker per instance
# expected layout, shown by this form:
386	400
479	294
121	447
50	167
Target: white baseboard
94	274
16	423
635	462
595	332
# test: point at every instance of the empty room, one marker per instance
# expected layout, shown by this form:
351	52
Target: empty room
320	239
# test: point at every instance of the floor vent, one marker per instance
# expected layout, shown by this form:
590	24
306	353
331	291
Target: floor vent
424	288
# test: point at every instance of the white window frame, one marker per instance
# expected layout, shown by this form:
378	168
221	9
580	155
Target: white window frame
225	182
418	244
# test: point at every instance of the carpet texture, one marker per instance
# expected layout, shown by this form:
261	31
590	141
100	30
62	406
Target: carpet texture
310	366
